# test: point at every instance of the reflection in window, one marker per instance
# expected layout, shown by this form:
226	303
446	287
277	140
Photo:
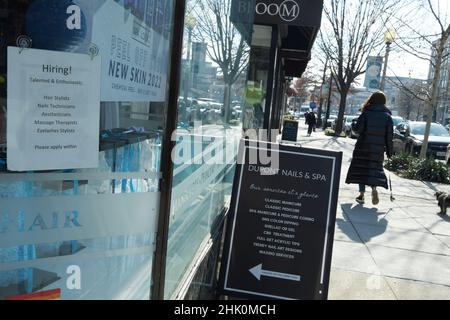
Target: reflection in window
211	103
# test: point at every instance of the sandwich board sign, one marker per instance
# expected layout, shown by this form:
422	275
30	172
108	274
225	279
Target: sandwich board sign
290	130
280	228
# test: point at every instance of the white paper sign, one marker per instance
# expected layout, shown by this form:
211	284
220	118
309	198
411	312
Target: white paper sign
134	56
53	110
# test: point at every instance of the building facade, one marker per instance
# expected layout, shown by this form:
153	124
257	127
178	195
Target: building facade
407	96
112	184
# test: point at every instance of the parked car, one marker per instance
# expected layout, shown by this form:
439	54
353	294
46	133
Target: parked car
397	120
236	112
408	137
208	110
330	121
302	111
344	122
347	127
353	134
333	124
447	156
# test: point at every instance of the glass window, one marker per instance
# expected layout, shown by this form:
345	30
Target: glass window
397	120
435	130
255	96
79	171
211	105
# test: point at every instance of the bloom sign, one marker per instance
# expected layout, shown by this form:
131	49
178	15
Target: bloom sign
291	12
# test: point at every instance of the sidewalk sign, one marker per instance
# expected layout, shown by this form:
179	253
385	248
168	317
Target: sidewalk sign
280	228
290	130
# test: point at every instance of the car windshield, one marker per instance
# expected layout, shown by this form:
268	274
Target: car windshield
437	130
397	121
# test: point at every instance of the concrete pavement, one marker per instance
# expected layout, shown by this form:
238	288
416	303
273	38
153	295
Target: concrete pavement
395	250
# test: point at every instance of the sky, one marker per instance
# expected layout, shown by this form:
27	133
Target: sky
403	64
420	20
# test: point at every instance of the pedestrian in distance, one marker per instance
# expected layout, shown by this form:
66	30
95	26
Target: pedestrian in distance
315	124
375	128
310	120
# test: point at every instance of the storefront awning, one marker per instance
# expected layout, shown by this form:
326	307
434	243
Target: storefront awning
298	22
302	13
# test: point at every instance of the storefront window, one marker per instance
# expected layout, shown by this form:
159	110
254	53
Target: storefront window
211	104
256	104
83	100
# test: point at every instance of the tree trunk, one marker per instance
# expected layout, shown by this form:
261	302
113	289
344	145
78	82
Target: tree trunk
319	111
434	93
342	105
408	111
227	103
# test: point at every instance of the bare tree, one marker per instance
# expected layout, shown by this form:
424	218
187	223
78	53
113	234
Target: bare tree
411	99
353	30
304	85
225	46
419	43
406	105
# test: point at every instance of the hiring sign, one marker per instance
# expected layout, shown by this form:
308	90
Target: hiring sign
281	224
53	110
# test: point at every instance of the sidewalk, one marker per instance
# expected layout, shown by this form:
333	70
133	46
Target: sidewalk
396	250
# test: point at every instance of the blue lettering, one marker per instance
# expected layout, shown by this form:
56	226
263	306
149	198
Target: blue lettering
43	221
38	221
71	218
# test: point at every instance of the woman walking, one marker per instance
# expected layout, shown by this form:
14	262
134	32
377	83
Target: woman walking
375	128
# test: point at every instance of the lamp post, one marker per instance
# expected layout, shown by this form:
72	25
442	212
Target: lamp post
389	38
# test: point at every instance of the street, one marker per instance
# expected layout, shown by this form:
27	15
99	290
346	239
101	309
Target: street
396	250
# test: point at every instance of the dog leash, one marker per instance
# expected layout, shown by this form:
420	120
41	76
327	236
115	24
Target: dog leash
392	196
390	186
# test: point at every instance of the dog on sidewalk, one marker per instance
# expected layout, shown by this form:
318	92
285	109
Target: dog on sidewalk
443	201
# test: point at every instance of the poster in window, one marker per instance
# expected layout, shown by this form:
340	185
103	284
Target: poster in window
134	49
53	110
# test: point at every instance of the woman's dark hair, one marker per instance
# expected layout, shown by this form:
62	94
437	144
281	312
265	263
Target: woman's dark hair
376	98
